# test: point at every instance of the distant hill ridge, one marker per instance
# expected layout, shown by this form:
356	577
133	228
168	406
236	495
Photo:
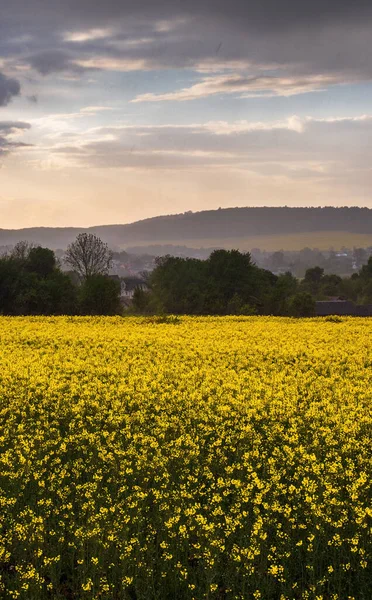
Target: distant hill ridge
212	225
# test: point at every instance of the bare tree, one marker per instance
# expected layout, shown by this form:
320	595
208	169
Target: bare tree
22	250
88	255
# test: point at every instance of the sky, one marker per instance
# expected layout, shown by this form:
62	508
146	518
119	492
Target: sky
117	110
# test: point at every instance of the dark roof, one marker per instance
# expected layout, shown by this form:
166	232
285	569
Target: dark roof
131	283
335	299
364	310
324	308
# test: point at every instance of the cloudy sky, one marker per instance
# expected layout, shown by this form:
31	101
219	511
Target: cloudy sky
117	110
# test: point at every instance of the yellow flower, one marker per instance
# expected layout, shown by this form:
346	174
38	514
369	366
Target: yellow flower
136	453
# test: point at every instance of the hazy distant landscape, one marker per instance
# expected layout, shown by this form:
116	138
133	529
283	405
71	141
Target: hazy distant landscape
323	240
265	228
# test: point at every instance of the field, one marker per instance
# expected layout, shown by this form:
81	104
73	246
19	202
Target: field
180	459
323	240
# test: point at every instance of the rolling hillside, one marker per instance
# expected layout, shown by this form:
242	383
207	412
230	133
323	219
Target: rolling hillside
244	228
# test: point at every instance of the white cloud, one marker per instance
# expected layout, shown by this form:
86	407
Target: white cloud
293	123
63	122
111	64
293	144
95	109
86	36
167	25
357	119
245	86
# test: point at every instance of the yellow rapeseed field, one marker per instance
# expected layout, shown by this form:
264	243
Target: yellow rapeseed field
179	459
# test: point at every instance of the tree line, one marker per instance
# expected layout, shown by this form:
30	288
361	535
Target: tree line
33	283
227	283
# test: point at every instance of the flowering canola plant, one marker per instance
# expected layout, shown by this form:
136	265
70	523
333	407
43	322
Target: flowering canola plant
189	459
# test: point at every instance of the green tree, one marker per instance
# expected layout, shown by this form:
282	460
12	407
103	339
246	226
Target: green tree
312	279
41	261
366	270
62	293
32	284
178	285
232	272
302	304
236	306
365	296
285	287
99	295
10	281
330	285
141	301
228	282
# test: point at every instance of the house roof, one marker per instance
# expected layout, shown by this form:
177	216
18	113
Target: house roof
342	307
131	283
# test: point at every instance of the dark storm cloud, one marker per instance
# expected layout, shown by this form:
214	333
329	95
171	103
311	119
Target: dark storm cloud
8	89
303	38
53	62
268	14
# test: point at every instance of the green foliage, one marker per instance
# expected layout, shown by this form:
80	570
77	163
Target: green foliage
230	283
333	319
9	285
99	295
141	300
366	271
178	285
41	261
227	283
164	319
32	284
323	286
366	292
312	280
302	304
232	273
331	285
285	287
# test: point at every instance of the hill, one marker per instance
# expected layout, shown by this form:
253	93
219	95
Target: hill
244	228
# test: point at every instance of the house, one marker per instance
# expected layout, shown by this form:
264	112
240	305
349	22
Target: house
119	280
130	284
338	306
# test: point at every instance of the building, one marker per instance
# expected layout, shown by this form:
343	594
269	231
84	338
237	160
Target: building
130	284
342	307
